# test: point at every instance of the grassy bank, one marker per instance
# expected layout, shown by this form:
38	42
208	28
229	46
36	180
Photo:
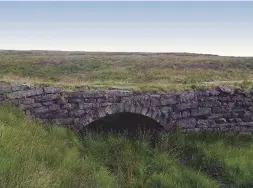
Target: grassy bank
33	155
132	71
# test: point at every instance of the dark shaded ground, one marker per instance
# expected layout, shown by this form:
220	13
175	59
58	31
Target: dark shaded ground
127	123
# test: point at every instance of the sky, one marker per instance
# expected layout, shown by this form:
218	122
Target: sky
222	28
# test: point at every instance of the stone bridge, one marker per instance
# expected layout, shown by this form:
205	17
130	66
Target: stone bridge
220	109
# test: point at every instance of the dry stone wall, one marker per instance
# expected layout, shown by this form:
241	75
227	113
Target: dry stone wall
220	109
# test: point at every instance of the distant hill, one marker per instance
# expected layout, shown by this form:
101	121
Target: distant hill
50	52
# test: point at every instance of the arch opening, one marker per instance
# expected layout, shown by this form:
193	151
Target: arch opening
129	124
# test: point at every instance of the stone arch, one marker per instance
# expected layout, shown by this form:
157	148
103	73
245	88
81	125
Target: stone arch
101	112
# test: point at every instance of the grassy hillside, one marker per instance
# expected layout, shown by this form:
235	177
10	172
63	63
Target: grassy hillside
34	155
137	71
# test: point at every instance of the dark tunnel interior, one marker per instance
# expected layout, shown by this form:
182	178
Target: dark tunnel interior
130	124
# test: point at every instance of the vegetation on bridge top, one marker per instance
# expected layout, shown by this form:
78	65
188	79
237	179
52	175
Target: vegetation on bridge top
129	71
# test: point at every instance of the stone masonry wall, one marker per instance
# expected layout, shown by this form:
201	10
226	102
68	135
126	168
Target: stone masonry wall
221	109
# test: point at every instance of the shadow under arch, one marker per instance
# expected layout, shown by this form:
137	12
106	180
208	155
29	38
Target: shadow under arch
127	123
134	121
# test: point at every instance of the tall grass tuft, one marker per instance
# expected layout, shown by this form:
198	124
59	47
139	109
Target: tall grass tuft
33	155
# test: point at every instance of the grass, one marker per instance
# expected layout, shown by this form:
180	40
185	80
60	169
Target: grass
130	71
223	157
35	155
41	156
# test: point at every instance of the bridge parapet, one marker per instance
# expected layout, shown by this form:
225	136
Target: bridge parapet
220	109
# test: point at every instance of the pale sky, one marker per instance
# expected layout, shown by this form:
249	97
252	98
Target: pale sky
223	28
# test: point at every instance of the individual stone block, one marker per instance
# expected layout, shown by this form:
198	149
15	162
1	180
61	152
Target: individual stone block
89	117
47	97
48	103
101	100
118	93
217	116
101	112
69	106
213	92
76	100
144	111
155	96
63	113
221	120
176	115
187	123
200	111
209	103
205	123
150	112
50	90
243	103
187	96
185	106
94	94
115	108
5	89
29	106
77	113
156	114
224	89
63	121
220	109
28	93
138	109
40	110
245	124
28	101
166	109
168	99
73	95
108	110
91	100
154	102
16	101
103	104
224	98
90	105
19	87
2	97
186	114
54	107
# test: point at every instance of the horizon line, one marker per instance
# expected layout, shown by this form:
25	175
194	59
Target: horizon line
137	52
